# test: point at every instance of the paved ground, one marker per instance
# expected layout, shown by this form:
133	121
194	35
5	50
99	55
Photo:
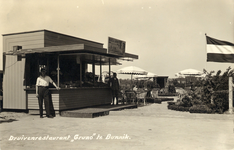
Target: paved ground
152	127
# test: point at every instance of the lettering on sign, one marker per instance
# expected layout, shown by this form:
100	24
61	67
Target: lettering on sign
116	47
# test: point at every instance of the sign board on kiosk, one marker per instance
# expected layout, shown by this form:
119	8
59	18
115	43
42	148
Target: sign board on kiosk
116	47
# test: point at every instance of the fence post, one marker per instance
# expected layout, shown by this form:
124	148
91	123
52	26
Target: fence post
230	95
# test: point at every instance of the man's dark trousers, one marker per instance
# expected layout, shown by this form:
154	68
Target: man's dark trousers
43	93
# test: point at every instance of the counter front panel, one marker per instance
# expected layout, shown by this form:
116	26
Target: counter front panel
66	98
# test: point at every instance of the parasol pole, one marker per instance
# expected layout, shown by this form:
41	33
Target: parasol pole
206	51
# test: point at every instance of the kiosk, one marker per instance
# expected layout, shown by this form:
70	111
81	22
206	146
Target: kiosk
66	59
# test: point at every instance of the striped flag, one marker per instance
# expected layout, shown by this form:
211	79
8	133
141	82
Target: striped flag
219	51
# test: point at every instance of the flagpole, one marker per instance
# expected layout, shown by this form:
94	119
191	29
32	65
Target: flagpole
206	52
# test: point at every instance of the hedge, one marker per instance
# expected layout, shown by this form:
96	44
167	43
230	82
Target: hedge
153	100
200	109
221	101
178	108
167	94
171	103
157	100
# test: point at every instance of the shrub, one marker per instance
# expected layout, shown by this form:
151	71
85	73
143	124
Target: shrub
149	100
157	100
171	103
174	107
186	101
221	101
178	108
153	100
212	107
213	87
181	108
179	103
187	108
196	102
169	106
167	94
200	109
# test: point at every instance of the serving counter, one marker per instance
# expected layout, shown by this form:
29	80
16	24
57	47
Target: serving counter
72	98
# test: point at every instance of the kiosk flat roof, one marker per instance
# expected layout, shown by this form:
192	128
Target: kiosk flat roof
74	48
50	32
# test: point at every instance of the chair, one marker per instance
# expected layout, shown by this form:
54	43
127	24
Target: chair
130	97
141	96
120	96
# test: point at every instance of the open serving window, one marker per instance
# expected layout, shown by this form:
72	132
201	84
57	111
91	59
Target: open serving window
67	70
68	66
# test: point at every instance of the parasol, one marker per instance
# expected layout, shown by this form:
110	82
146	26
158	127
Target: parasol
149	75
178	75
190	72
132	70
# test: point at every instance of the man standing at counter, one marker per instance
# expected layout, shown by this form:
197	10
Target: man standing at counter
114	84
42	92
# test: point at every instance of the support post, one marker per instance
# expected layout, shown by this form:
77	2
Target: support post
109	72
48	63
100	69
93	68
230	91
81	74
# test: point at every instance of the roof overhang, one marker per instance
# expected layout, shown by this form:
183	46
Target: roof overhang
74	48
162	77
58	49
100	54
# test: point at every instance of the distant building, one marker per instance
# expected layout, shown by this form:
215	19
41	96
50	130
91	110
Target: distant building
161	80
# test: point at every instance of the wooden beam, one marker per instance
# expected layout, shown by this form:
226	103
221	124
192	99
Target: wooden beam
62	48
95	49
131	55
50	49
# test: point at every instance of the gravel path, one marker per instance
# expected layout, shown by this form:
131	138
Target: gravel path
152	127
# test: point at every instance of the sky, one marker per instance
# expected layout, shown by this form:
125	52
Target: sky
167	35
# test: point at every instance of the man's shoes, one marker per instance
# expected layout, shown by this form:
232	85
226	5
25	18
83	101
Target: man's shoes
41	117
50	116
